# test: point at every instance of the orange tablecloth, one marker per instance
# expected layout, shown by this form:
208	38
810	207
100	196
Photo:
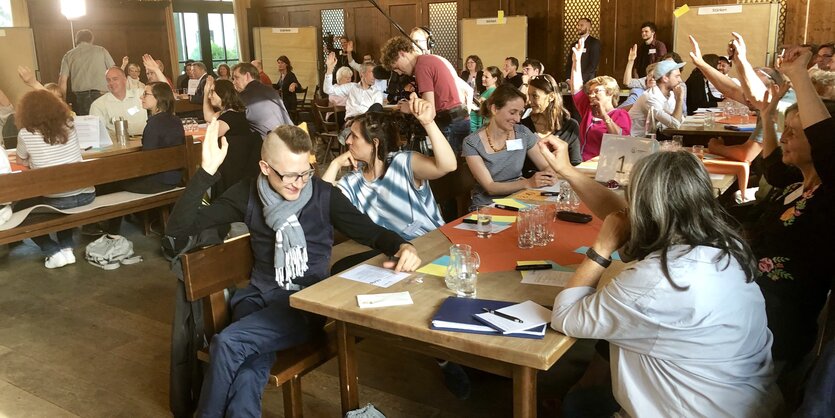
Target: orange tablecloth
500	252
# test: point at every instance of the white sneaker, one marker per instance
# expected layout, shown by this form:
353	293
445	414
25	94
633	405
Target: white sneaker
68	255
55	261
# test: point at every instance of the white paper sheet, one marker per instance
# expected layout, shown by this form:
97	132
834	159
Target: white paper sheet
531	313
381	300
495	227
91	132
546	277
377	276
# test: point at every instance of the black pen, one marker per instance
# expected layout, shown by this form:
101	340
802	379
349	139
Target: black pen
505	207
533	267
549	193
503	315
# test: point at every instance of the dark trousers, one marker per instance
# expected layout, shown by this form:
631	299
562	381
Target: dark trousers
83	100
242	354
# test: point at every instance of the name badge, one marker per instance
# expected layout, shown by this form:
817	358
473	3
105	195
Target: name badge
132	111
514	144
652	51
791	197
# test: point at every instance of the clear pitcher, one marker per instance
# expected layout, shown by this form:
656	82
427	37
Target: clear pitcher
459	254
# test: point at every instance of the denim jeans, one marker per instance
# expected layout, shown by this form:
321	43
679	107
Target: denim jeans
47	244
83	100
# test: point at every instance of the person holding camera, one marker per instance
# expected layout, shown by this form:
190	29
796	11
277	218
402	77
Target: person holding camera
435	79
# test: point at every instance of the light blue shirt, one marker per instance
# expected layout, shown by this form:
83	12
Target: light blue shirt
700	351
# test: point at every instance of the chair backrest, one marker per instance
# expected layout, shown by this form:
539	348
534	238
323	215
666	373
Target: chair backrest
330	127
210	271
303	100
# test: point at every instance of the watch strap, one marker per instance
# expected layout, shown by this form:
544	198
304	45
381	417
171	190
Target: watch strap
597	258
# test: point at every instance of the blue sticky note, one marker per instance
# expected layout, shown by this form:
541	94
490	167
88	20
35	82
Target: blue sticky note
583	249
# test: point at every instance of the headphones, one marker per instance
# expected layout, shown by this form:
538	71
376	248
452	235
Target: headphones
430	40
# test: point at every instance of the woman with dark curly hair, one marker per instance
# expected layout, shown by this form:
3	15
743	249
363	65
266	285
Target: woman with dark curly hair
47	137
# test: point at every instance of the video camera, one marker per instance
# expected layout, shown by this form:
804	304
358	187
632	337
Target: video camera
396	87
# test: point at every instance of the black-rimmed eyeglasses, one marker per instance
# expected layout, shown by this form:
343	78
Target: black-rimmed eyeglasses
290	178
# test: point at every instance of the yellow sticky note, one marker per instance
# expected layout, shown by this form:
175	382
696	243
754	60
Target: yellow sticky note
532	262
681	10
499	219
511	202
433	269
501	16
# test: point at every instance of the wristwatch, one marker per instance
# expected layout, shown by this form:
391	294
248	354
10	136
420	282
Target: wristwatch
597	258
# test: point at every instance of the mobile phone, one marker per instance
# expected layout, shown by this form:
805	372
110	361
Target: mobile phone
731	50
580	218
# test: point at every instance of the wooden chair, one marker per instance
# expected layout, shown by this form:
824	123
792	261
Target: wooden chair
301	103
327	131
207	273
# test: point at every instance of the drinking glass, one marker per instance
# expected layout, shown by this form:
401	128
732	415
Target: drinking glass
698	151
468	275
524	228
678	142
708	120
484	223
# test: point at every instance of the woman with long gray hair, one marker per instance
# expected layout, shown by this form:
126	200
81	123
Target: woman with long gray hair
686	324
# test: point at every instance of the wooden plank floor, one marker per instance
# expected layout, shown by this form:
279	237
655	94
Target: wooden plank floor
81	341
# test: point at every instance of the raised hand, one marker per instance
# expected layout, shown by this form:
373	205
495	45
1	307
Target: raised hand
330	62
422	109
26	75
633	53
695	52
577	50
555	152
149	63
214	151
348	46
209	87
739	45
794	61
125	61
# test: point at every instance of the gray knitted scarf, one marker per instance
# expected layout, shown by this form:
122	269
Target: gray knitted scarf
282	216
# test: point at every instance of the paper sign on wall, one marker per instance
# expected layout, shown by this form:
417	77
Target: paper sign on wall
720	10
285	30
618	154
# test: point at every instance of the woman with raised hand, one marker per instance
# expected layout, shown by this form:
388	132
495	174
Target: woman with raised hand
597	104
792	239
496	153
691	288
389	185
47	138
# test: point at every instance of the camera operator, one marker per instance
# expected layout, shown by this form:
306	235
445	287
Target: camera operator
435	81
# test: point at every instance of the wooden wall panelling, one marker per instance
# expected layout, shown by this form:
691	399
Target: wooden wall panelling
820	27
146	31
366	25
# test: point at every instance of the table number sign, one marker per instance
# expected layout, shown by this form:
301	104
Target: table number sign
619	153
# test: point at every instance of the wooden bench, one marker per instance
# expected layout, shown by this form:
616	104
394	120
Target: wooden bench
49	180
207	273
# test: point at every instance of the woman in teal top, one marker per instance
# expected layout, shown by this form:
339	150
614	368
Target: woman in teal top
491	79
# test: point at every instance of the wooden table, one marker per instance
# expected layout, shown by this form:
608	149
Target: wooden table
134	144
408	326
695	133
721	182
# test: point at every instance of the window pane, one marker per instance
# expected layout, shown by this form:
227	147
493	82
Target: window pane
5	13
231	36
216	36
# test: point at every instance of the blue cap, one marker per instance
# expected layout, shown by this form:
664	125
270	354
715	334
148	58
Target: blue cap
664	67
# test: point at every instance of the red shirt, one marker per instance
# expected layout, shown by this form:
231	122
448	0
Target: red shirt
265	79
591	130
432	74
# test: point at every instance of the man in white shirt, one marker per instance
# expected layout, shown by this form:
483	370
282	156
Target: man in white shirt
665	100
120	101
359	96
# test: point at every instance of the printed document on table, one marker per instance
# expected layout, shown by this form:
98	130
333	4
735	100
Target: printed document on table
530	313
495	227
546	277
377	276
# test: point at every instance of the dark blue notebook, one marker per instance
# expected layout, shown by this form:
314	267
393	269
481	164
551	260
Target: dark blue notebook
457	314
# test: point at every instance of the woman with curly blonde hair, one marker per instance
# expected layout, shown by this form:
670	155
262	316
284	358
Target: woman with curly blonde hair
47	138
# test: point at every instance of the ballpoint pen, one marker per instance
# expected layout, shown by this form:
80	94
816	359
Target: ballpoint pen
505	207
503	315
